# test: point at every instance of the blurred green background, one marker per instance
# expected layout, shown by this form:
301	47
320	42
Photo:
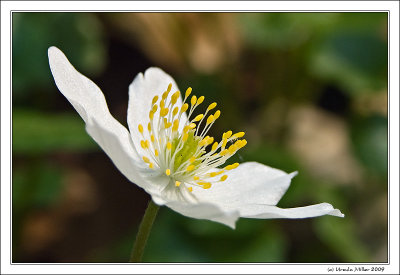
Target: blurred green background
309	90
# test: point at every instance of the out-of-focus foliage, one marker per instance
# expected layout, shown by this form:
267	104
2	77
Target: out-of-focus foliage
309	90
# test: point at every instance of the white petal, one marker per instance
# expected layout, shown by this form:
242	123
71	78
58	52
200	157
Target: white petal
205	211
273	212
250	183
91	105
141	92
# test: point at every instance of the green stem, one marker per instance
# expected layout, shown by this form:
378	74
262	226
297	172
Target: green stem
144	232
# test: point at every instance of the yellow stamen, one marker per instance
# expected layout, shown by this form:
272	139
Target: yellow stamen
185	137
175	126
217	114
149	127
188	92
175	111
223	178
174	97
184	108
190	189
156	152
151	165
200	100
193	100
169	145
168	172
155	98
140	128
164	112
177	183
146	159
190	168
227	134
192	125
206	185
152	138
210	119
196	178
198	117
232	166
215	146
238	135
212	106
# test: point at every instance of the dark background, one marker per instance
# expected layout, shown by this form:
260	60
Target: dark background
309	90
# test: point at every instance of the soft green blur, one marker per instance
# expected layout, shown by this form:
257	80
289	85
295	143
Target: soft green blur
309	90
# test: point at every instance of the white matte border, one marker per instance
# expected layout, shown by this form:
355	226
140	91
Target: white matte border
8	6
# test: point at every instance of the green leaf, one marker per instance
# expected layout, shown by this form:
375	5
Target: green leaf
35	132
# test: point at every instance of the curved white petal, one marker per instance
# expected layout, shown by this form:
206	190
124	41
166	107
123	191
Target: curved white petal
205	211
141	92
91	105
250	183
257	211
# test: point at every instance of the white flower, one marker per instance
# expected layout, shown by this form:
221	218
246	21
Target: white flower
164	150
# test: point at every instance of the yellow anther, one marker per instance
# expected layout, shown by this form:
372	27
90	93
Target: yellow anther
212	106
190	189
151	114
167	125
147	143
149	127
192	125
210	140
177	183
205	185
146	159
232	166
152	138
155	98
168	172
156	152
203	142
215	146
192	159
198	118
140	128
175	111
169	145
190	168
188	92
174	97
184	108
196	178
162	103
224	152
238	135
200	100
144	144
210	119
227	134
193	100
164	112
212	174
151	165
185	137
154	108
223	178
175	126
165	94
217	114
232	149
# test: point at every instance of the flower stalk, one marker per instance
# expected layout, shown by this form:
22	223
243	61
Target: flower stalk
144	231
